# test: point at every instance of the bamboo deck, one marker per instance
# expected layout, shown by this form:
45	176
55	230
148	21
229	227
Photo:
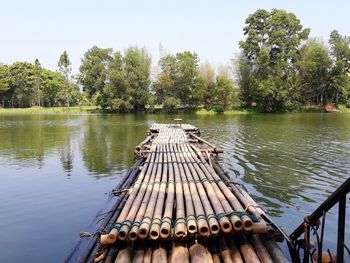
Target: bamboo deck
176	204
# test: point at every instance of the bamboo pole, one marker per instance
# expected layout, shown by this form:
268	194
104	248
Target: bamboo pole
165	228
208	192
198	253
261	251
156	222
159	255
218	150
275	251
248	251
209	256
246	200
147	219
111	255
139	147
249	203
124	230
112	236
234	251
252	203
214	250
124	256
200	201
141	212
216	258
139	255
180	224
234	219
147	258
225	252
246	222
190	214
180	254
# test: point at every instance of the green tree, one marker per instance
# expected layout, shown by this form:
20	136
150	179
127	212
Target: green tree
114	95
137	64
94	69
225	94
340	80
53	88
188	88
65	68
37	82
4	83
165	83
207	80
243	73
178	81
314	71
22	84
271	48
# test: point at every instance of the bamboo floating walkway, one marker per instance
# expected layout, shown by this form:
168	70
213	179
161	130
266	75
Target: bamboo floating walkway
182	207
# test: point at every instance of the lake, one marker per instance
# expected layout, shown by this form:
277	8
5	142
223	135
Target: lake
56	171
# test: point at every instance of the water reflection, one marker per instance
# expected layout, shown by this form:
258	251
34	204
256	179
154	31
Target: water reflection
66	154
27	140
108	143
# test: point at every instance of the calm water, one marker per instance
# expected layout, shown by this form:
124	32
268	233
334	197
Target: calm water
56	171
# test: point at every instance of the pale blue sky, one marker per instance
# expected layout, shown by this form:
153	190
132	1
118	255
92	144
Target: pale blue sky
44	29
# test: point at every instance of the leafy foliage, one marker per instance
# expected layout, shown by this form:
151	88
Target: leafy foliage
207	81
178	82
26	85
127	81
225	94
94	69
314	71
271	48
65	68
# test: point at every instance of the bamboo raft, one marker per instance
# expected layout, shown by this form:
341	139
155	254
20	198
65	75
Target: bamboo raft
176	204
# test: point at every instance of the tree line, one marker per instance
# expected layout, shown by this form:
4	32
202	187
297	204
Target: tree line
23	84
279	68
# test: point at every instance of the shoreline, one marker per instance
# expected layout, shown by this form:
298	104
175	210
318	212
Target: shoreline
82	110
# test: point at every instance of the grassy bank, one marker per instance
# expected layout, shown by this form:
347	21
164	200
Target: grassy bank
51	110
95	109
229	112
343	108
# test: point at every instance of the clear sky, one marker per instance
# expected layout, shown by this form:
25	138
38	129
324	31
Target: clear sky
44	29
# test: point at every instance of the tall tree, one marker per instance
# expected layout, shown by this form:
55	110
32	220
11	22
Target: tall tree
340	79
243	72
188	88
65	68
207	77
4	83
21	84
271	47
137	62
178	83
314	71
37	82
54	88
114	95
94	69
225	95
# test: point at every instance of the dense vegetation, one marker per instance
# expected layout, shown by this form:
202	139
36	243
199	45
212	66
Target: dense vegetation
23	84
279	68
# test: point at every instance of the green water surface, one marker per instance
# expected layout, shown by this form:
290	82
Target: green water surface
57	170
